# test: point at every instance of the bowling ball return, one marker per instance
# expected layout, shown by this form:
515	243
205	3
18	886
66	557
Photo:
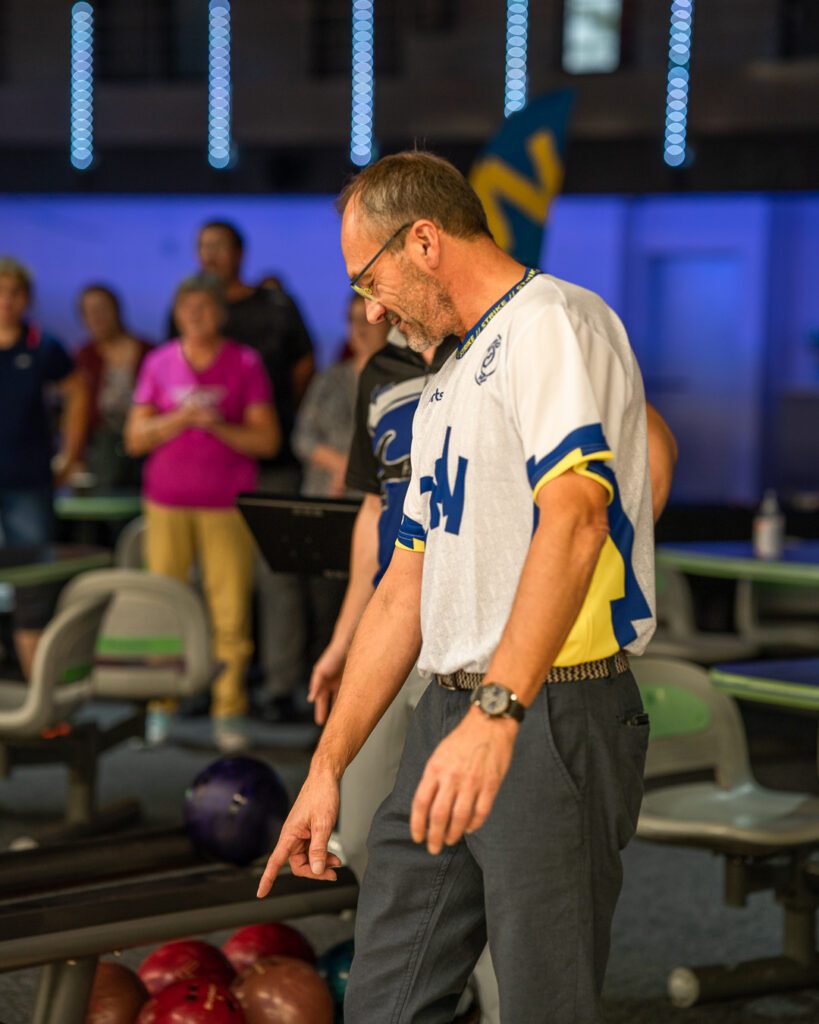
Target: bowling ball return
63	907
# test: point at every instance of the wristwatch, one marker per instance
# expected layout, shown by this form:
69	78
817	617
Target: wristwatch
497	701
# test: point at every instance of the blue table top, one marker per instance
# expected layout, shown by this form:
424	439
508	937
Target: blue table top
786	683
789	671
803	552
798	565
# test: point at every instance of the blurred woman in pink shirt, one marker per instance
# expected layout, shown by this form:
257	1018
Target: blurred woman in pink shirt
203	415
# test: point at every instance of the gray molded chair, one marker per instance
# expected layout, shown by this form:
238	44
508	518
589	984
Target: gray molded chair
37	724
61	673
778	618
129	551
155	641
765	835
677	634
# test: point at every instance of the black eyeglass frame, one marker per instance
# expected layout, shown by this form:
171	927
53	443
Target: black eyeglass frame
367	293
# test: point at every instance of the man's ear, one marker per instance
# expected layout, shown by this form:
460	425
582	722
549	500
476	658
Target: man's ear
426	239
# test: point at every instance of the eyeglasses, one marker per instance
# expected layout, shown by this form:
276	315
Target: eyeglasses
367	293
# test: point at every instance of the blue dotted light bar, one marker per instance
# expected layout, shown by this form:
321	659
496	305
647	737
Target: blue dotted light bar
361	127
517	31
82	86
676	104
220	144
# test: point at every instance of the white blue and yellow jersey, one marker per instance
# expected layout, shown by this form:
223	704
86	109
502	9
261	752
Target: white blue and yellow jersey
546	383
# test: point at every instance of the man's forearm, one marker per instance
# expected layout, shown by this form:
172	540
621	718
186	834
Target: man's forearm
385	648
75	422
255	442
556	577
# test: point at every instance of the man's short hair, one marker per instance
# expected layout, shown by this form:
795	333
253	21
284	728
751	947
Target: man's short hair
236	236
207	283
412	186
10	267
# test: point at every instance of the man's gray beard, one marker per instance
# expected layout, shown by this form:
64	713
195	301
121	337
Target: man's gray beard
420	342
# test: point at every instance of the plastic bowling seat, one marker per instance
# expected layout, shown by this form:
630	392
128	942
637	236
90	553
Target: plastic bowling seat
128	553
778	618
155	641
35	717
765	835
677	635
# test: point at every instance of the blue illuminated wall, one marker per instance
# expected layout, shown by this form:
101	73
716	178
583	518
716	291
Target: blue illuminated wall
720	294
143	246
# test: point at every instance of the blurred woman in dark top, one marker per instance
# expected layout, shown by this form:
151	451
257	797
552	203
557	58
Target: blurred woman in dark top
32	363
109	362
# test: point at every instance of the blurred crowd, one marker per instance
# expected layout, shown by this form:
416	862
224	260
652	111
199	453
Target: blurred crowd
230	402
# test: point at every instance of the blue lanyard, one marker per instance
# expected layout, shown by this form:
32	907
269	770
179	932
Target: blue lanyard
491	313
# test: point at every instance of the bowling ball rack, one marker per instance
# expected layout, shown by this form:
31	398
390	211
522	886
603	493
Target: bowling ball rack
61	908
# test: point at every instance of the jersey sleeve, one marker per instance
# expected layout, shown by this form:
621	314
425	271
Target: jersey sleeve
362	467
412	533
554	405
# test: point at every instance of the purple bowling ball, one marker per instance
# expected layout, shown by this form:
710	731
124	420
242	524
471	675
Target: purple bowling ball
235	809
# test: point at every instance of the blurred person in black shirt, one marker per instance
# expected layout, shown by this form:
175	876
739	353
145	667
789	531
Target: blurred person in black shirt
268	320
264	318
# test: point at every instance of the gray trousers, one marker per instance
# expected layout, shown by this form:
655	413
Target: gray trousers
540	879
367	782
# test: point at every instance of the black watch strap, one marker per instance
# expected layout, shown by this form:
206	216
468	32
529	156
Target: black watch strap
516	710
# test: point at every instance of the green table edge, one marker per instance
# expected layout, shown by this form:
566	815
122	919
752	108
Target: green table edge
764	691
91	508
53	572
720	567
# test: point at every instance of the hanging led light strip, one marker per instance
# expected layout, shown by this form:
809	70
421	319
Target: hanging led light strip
82	86
517	31
679	60
363	83
220	143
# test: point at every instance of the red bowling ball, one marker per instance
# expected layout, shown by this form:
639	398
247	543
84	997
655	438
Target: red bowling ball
117	995
250	944
282	990
193	1002
185	961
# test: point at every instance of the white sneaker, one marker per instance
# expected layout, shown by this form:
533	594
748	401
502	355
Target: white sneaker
230	734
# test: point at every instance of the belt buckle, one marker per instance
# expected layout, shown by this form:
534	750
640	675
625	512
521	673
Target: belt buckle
446	686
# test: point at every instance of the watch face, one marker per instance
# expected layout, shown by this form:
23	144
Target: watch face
494	699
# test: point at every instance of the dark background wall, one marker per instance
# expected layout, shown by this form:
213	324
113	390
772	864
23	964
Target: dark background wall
753	116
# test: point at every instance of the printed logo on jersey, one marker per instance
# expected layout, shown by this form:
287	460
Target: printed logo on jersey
446	501
436	396
23	361
489	363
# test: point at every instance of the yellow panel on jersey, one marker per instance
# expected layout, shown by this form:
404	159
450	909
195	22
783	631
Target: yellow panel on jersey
417	545
411	535
592	636
580	463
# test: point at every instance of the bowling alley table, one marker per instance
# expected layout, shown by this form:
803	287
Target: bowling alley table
98	507
788	684
798	565
49	563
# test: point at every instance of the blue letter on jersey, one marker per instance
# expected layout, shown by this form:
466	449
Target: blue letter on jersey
451	501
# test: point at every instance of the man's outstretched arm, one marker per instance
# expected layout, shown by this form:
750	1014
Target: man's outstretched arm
385	648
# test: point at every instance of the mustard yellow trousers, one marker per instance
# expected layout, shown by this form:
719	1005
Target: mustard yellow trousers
220	542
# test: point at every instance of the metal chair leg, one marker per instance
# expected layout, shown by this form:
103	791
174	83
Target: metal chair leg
64	991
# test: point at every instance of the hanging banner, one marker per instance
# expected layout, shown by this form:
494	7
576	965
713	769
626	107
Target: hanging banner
521	171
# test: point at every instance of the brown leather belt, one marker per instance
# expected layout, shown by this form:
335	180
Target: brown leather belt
603	668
